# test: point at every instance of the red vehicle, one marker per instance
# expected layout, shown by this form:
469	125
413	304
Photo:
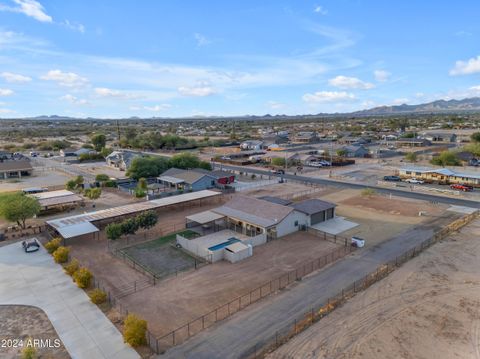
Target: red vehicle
461	187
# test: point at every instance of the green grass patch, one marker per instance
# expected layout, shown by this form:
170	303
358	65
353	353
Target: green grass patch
168	238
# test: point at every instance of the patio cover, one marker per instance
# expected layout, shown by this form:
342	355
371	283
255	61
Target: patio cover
204	217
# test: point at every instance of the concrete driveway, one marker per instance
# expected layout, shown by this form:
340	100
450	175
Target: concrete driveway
35	279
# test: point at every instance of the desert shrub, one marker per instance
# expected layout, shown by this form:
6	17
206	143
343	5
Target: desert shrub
71	267
29	352
97	296
82	277
368	192
134	330
52	246
61	254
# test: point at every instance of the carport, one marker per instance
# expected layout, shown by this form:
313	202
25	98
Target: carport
77	230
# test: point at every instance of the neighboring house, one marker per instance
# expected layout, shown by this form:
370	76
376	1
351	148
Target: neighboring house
305	137
390	137
439	137
122	159
442	175
413	142
222	178
355	151
15	168
187	180
84	151
355	140
68	152
251	145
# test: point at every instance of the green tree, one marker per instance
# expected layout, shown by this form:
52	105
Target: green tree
147	167
142	183
446	158
71	185
147	219
99	141
113	231
475	137
129	226
341	152
18	207
102	177
411	157
93	193
105	152
134	330
185	160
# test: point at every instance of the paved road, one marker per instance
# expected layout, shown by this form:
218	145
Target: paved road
340	184
237	336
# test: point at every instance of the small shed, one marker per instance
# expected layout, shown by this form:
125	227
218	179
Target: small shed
237	251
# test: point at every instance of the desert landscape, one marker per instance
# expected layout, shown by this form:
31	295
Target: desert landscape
428	306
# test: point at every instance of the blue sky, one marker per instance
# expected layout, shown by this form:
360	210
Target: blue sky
201	58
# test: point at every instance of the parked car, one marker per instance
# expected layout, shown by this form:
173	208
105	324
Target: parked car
279	172
31	245
414	181
358	242
325	163
461	187
315	164
392	178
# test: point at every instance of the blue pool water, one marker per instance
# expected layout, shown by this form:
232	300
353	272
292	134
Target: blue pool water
224	244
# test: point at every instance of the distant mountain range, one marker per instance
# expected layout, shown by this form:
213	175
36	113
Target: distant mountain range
441	106
467	104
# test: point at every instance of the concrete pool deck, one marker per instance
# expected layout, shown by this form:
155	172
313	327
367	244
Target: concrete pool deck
35	279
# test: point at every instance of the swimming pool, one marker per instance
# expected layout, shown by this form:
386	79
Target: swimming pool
224	244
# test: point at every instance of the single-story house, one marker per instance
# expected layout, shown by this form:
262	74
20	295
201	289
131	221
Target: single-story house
355	151
442	175
251	145
439	137
305	137
413	142
355	140
187	180
256	216
122	159
68	152
15	168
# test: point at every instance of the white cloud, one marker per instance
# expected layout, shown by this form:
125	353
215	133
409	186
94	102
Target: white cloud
381	75
328	96
345	82
11	77
74	26
158	108
67	79
466	67
6	92
74	100
202	40
201	89
475	88
107	92
274	105
320	10
31	8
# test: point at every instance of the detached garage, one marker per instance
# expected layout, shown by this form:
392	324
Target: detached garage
317	211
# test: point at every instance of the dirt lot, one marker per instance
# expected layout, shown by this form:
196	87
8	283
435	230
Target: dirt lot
288	190
37	179
428	308
23	323
176	301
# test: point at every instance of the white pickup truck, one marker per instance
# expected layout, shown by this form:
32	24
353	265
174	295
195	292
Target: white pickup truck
414	181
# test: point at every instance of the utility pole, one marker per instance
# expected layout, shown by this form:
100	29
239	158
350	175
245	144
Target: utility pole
118	133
